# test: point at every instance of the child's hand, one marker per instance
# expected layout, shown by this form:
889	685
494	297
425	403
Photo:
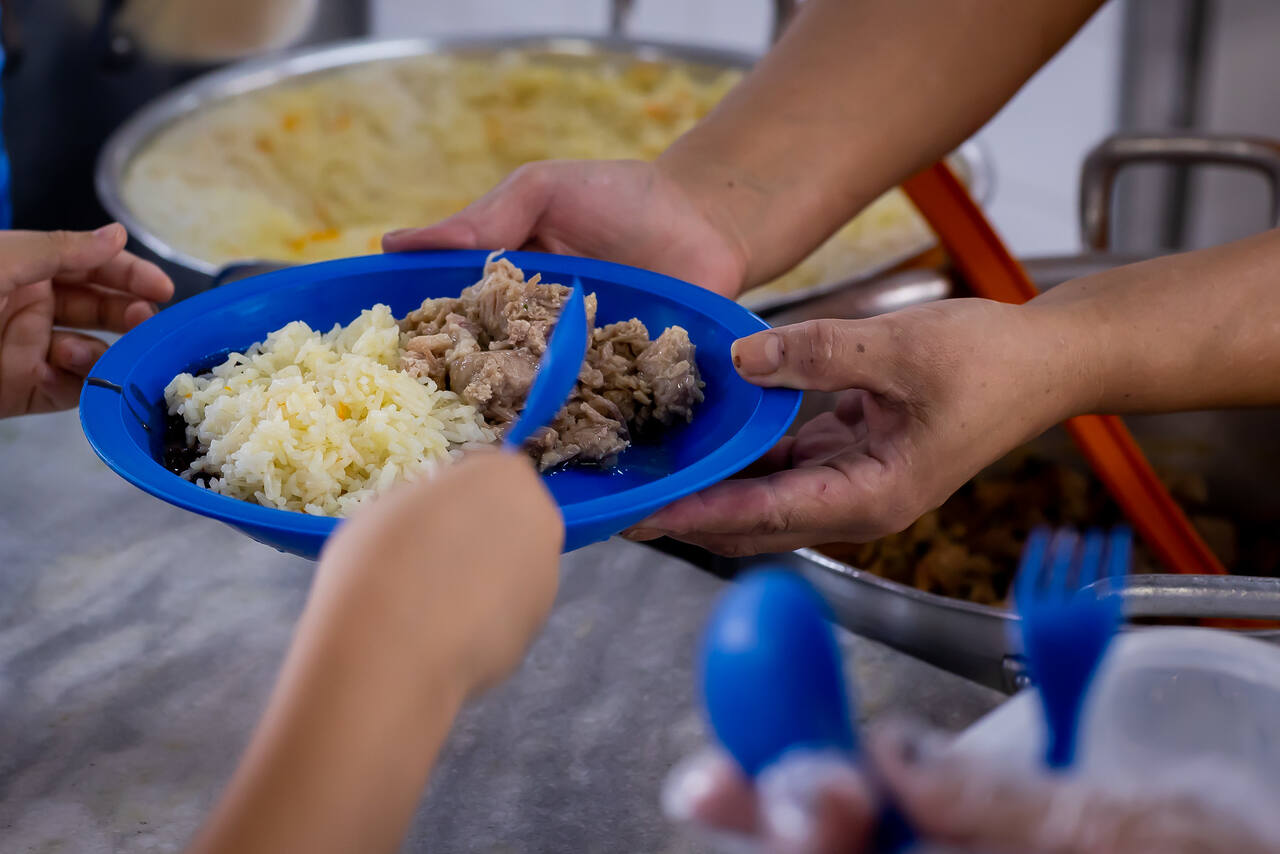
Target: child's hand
424	598
82	280
464	563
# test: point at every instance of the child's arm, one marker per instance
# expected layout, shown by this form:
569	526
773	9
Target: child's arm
424	599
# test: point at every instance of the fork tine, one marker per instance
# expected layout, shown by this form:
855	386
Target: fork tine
1060	560
1029	567
1090	559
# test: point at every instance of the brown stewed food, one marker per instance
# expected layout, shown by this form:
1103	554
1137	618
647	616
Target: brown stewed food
969	547
485	344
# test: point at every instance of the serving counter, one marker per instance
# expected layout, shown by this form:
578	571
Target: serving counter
138	644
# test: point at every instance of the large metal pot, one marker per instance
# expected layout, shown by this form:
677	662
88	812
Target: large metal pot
193	274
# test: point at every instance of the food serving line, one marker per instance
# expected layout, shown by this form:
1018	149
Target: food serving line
140	642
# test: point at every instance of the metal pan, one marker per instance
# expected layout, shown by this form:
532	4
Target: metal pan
193	274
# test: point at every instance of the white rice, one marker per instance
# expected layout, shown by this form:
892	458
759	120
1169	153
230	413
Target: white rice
319	422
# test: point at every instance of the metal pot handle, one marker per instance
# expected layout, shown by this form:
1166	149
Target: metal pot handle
1098	176
1230	597
620	15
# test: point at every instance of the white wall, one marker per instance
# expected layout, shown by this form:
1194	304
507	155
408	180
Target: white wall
1037	142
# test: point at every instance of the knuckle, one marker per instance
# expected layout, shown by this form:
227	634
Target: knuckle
533	176
56	243
818	348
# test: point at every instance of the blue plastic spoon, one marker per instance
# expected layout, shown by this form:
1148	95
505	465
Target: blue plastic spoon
557	372
773	682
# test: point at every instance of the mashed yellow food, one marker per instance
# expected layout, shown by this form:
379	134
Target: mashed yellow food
320	168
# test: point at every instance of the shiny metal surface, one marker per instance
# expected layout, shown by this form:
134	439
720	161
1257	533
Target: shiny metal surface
193	274
981	642
1049	271
870	295
1204	596
1097	179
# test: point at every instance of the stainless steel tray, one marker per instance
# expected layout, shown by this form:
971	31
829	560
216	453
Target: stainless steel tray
194	274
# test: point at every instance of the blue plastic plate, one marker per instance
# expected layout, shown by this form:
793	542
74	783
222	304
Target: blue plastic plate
734	426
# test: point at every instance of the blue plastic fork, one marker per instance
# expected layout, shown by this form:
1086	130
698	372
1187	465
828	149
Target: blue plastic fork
1067	624
557	372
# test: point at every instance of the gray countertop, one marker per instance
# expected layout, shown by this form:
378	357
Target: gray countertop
138	643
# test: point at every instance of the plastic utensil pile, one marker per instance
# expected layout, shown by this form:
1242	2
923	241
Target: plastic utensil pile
773	683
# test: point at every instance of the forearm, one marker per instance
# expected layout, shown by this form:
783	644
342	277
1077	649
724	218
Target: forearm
342	755
1194	331
854	98
416	607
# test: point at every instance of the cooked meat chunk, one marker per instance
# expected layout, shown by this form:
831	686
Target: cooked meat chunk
485	346
610	369
670	370
464	336
583	435
424	356
430	316
496	381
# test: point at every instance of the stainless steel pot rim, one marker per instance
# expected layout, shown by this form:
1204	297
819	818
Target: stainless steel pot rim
932	600
922	597
263	72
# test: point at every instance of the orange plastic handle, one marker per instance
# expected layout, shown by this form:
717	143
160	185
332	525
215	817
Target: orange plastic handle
993	272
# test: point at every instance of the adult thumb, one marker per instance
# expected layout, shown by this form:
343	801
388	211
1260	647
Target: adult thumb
818	355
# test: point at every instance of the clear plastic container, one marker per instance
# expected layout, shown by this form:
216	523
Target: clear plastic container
1190	711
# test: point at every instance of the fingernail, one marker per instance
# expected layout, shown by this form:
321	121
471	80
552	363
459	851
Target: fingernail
106	231
789	792
77	354
398	232
688	784
639	534
758	355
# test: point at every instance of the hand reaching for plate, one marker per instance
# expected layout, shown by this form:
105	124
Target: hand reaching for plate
625	211
929	396
51	280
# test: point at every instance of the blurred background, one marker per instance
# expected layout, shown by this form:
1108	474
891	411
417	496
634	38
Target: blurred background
1139	65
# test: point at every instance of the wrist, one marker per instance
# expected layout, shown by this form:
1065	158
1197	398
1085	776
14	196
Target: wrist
1069	351
720	193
